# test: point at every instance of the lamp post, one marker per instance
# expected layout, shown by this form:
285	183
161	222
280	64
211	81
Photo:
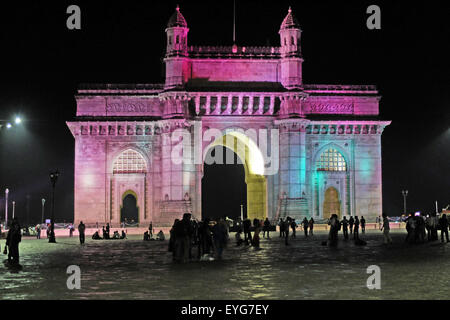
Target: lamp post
405	194
6	208
43	204
53	178
14	208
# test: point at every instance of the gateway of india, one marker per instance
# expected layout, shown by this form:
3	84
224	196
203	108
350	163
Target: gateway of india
329	136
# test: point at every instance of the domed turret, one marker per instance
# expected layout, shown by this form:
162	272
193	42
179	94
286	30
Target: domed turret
177	19
291	55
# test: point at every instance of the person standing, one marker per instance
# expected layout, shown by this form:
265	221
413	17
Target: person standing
150	230
220	237
257	226
266	228
71	230
38	231
363	224
351	221
305	226
344	224
281	226
286	226
311	226
356	229
107	230
334	228
81	231
386	229
293	227
443	223
12	242
247	232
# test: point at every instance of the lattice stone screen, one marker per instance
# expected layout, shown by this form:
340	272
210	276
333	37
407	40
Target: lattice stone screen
331	160
130	161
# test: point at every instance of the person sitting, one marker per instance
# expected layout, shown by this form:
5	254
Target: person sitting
160	236
124	236
116	235
146	236
96	236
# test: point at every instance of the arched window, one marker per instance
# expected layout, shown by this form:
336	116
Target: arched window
130	161
331	160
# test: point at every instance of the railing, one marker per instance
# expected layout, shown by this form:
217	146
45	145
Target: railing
234	52
336	87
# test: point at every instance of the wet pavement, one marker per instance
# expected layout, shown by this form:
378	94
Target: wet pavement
134	269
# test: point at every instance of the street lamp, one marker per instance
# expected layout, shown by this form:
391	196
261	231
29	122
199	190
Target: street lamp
14	208
6	208
43	204
405	194
53	178
18	120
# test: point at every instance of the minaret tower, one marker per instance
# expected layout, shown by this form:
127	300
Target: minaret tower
291	55
176	50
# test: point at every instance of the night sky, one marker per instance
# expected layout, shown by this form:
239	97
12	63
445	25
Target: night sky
42	62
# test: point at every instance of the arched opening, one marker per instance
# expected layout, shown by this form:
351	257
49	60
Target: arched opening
129	211
223	187
250	158
331	203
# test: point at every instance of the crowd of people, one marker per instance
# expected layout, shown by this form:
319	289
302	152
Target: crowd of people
420	228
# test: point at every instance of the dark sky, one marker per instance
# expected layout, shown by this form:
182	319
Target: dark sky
42	62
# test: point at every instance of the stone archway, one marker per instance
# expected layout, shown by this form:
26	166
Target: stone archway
129	209
253	161
331	203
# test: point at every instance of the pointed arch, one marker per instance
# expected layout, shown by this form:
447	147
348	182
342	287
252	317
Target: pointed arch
130	161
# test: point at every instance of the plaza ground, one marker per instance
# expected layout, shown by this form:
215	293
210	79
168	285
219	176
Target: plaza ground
134	269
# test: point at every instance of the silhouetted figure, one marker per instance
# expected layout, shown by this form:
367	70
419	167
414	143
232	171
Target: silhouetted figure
238	238
124	235
443	223
305	224
150	229
434	227
160	236
81	230
356	229
294	226
386	229
48	230
257	226
428	227
311	226
146	236
286	226
38	231
363	224
351	222
281	226
334	229
420	222
107	231
104	233
247	232
96	236
116	235
219	232
12	242
205	238
183	232
410	229
344	224
266	228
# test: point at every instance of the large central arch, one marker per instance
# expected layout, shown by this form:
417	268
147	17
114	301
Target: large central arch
253	161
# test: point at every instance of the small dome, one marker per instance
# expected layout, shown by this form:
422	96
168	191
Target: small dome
290	21
177	20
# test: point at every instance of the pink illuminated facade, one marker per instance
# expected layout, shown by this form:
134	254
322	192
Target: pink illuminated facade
329	135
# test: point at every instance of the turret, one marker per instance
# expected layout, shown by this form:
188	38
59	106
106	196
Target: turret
176	49
291	56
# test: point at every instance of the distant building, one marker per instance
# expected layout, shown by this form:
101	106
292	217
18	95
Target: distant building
329	136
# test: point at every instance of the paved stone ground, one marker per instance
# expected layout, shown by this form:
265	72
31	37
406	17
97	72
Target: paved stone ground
134	269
